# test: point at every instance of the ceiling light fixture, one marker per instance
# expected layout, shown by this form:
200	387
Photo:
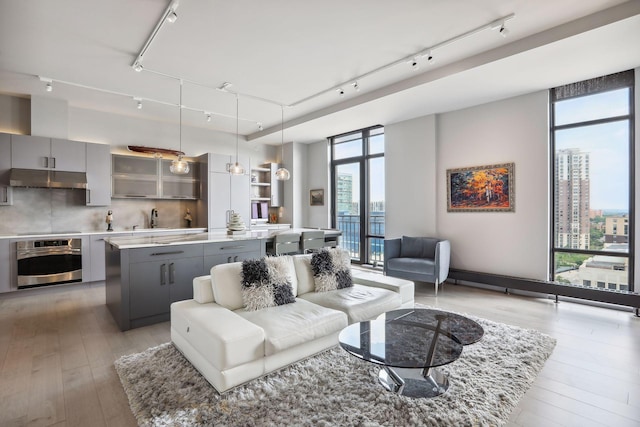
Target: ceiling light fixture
208	116
414	64
356	86
282	174
180	166
137	66
172	17
340	91
504	31
260	127
237	168
48	83
139	101
430	58
49	87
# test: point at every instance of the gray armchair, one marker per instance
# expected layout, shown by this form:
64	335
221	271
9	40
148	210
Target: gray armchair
424	259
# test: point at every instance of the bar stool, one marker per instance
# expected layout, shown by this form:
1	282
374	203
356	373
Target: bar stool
286	243
311	241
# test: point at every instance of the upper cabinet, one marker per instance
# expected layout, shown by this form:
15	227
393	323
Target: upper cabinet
36	152
98	175
5	167
145	177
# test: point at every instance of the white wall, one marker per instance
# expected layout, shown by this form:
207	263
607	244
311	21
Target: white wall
636	261
49	117
318	177
410	178
513	130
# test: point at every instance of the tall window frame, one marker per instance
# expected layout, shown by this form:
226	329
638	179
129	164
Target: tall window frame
369	245
562	246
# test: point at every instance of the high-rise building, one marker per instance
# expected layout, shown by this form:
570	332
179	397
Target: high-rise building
572	208
616	229
344	193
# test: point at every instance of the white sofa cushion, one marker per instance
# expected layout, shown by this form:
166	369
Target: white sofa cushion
304	273
359	302
226	280
202	289
286	326
222	337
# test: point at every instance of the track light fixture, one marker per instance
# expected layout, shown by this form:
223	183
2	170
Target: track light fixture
172	17
48	83
49	87
430	58
340	91
356	86
414	64
137	66
139	101
208	116
503	31
260	127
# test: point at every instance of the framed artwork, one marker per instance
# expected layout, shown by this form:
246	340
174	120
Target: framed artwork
316	197
481	189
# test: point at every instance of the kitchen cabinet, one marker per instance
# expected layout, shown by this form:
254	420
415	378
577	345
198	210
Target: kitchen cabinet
223	192
233	251
37	152
96	258
6	192
141	283
6	263
265	186
179	186
98	175
144	177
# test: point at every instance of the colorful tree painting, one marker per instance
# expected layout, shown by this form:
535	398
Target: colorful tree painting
482	188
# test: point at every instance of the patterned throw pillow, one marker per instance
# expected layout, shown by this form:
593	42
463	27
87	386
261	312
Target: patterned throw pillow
265	283
331	269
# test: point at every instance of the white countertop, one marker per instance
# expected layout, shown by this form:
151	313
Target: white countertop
113	233
131	242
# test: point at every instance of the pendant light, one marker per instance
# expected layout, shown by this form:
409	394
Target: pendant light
282	174
179	166
237	168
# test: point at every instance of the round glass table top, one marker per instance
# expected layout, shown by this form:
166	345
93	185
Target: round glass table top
411	338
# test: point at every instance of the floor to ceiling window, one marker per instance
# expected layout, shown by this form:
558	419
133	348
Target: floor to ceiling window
357	168
592	170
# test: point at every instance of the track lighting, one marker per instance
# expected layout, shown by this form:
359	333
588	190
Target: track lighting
356	86
224	86
260	127
340	91
208	116
503	31
430	58
172	17
414	64
139	101
49	83
49	87
137	66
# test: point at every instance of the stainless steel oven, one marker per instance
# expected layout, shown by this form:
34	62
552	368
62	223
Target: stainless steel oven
49	261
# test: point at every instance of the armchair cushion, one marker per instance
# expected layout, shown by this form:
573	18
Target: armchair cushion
418	247
412	265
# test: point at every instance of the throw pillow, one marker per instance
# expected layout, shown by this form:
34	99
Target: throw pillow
265	283
331	269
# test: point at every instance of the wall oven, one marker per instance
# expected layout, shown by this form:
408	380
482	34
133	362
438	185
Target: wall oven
49	261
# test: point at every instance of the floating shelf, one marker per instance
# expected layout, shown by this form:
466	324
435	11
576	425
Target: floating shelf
262	184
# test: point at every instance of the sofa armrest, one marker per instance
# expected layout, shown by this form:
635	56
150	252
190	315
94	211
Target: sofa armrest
202	290
443	256
401	286
391	250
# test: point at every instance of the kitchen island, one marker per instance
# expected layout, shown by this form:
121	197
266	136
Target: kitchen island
145	274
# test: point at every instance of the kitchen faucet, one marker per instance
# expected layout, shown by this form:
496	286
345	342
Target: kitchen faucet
154	218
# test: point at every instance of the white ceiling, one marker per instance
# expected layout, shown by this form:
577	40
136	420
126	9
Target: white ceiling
287	50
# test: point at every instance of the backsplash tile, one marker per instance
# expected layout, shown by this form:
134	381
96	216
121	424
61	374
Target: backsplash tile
51	210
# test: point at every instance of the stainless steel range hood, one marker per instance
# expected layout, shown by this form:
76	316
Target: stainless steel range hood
47	179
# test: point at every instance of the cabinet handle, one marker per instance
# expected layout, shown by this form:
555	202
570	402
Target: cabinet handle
167	253
172	273
224	248
54	163
46	162
163	274
134	195
88	196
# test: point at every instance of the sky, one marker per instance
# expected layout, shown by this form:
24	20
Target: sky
607	144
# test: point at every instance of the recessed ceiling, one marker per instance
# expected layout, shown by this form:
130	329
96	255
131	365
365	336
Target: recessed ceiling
287	51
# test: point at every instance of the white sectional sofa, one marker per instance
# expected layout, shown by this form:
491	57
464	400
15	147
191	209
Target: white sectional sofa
230	345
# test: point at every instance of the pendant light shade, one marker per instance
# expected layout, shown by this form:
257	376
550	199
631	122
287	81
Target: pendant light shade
282	174
179	166
237	168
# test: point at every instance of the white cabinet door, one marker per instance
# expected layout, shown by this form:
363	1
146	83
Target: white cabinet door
5	169
97	258
219	162
68	156
219	199
30	152
240	197
98	175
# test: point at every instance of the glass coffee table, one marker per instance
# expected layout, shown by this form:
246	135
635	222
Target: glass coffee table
410	344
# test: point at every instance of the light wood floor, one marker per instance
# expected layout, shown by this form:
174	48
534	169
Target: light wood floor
58	345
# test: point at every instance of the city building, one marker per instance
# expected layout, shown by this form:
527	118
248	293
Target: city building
344	193
616	229
572	210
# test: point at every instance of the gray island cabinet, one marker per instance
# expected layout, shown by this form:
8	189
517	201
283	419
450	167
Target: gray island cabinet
145	275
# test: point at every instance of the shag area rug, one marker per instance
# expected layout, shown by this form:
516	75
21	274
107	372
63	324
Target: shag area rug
334	388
